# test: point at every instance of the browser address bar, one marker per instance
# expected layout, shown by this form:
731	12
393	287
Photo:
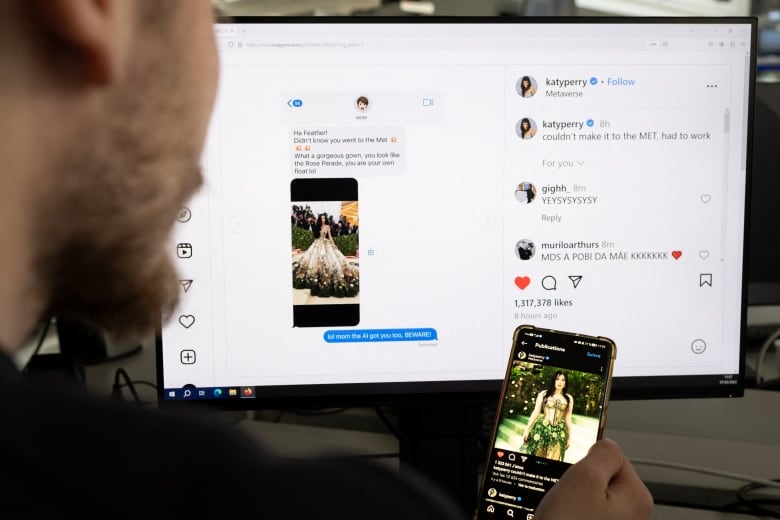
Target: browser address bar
251	44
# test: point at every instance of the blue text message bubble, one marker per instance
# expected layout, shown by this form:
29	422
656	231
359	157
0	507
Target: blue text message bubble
373	335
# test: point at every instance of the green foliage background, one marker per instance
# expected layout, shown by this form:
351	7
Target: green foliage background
526	380
303	238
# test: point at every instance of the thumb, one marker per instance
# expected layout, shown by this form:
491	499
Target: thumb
606	459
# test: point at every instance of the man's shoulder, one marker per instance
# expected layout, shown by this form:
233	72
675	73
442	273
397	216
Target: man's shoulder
92	455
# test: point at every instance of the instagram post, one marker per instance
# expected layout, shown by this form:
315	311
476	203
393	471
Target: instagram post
550	412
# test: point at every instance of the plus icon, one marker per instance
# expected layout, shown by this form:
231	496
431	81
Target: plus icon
187	357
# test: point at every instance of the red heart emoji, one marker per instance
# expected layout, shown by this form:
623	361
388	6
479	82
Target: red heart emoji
676	254
522	282
500	454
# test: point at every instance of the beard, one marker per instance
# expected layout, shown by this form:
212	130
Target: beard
104	218
105	261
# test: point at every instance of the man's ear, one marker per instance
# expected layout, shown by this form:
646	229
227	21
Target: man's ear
92	30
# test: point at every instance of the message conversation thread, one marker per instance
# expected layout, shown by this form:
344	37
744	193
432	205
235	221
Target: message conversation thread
382	205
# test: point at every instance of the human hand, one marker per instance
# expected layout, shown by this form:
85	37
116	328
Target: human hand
602	486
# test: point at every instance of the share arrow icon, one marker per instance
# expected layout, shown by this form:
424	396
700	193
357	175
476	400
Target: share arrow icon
575	279
186	284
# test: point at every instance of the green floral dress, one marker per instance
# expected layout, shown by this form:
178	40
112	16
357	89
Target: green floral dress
549	434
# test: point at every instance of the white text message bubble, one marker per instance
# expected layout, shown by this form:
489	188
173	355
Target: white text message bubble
353	151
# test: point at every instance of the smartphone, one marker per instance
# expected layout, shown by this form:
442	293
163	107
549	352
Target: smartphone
552	408
325	252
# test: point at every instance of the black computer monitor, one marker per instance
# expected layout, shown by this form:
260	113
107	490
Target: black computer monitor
581	174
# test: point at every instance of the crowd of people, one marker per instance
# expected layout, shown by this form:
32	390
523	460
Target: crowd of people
305	218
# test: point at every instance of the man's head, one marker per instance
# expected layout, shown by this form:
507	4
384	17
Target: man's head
112	99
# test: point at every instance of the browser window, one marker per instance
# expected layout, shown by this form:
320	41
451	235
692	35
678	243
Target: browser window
576	176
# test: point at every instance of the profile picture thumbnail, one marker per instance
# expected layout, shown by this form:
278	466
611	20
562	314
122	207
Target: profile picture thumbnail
526	86
525	249
525	192
526	128
361	103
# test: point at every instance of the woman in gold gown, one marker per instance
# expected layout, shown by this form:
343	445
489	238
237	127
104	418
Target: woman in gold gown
549	428
323	268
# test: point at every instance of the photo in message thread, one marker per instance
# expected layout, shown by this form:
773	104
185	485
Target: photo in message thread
325	252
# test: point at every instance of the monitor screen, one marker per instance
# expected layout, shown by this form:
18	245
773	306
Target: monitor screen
386	199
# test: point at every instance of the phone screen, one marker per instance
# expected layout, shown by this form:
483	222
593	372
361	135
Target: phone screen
325	259
552	409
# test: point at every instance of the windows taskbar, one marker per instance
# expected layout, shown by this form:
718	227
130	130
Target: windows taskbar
218	392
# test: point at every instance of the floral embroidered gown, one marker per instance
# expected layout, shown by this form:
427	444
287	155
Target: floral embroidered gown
549	435
325	270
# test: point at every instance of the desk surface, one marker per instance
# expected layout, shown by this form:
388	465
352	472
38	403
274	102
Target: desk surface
740	436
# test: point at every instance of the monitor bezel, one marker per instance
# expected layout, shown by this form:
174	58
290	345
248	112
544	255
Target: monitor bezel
487	391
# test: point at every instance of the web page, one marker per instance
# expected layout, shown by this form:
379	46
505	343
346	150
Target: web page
386	203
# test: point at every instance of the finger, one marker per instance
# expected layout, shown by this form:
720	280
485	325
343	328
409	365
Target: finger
626	476
603	461
623	481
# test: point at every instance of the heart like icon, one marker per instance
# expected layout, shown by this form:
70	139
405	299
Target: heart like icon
705	197
500	454
676	254
704	254
186	320
522	282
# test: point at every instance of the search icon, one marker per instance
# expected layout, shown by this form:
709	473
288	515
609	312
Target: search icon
187	393
510	513
549	283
